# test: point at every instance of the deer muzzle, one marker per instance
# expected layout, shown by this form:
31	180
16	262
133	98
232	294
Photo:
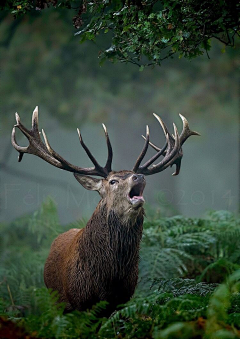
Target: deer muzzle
135	195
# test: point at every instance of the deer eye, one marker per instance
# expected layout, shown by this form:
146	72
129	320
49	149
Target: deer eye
112	182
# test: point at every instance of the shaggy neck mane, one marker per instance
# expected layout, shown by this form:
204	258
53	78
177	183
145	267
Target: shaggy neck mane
113	243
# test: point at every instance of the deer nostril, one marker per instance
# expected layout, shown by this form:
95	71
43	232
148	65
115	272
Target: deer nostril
138	177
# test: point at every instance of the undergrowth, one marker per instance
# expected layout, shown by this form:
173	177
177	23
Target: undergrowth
188	284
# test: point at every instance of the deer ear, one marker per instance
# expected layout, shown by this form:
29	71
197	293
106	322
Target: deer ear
90	183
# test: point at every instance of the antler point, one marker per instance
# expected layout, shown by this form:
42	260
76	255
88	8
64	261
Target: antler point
159	119
105	128
184	120
35	120
35	112
46	142
17	117
79	134
176	135
175	128
147	130
44	135
196	133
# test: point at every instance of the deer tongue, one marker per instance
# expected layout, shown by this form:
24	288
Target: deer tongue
137	198
136	194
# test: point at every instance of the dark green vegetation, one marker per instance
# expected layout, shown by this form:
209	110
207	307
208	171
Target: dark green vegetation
148	31
188	285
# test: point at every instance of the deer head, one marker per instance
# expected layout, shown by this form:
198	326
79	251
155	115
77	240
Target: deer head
123	190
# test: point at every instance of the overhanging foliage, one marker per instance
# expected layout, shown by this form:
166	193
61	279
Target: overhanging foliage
148	31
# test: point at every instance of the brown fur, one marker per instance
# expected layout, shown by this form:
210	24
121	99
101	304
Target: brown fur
100	261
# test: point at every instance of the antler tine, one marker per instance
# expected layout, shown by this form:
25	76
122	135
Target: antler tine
55	155
37	147
170	156
35	120
152	145
86	149
25	131
22	128
186	132
178	166
172	150
168	145
108	165
164	127
91	157
20	149
50	150
158	154
171	153
144	151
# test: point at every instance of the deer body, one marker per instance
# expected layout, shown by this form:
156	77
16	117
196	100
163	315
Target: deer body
100	261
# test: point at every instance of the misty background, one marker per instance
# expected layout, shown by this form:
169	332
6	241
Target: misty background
43	64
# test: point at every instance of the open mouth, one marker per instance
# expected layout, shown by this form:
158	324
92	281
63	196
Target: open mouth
135	195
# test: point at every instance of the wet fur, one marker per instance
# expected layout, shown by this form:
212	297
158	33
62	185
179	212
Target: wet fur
99	262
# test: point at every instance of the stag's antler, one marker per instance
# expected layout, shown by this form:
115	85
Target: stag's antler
37	147
172	150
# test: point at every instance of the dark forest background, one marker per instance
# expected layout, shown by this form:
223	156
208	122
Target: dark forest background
189	268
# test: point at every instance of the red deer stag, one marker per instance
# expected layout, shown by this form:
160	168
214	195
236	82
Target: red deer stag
100	261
